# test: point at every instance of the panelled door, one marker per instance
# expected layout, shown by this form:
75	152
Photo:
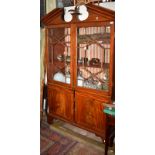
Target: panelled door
61	102
89	112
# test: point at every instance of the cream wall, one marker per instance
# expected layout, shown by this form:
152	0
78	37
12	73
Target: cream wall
50	5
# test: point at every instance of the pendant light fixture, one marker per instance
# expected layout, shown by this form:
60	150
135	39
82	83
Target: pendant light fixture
80	10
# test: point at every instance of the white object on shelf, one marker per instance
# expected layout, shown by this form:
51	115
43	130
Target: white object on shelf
68	79
59	77
80	80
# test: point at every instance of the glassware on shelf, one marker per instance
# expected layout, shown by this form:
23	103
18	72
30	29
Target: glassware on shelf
90	83
85	60
68	59
105	87
67	77
108	29
60	57
95	61
99	85
80	61
80	79
106	75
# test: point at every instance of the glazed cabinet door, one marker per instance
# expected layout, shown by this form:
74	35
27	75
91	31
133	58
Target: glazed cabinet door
59	55
60	101
94	59
89	113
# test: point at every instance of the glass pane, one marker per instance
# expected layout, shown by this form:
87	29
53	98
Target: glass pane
93	57
59	54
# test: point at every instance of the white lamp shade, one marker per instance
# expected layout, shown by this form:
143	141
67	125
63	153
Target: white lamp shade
67	17
84	16
84	13
82	8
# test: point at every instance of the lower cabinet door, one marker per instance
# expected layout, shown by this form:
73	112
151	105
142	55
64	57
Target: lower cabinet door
89	113
60	101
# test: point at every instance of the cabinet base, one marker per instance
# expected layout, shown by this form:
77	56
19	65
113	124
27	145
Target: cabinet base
50	119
